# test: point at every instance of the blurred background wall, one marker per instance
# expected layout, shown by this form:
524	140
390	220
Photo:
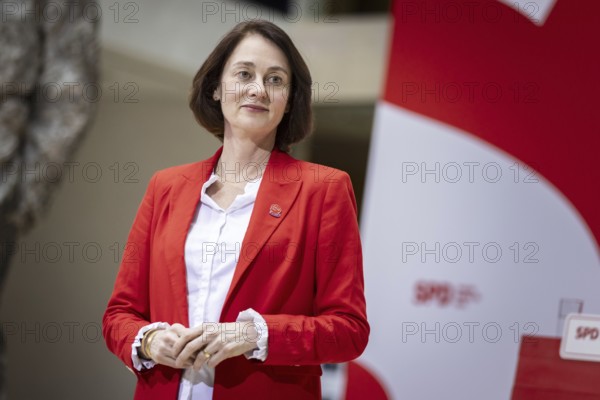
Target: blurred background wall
63	270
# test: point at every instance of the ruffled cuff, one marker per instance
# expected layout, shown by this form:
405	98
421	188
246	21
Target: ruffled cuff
263	333
138	362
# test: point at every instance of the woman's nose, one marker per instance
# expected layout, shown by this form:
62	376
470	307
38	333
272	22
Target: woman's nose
256	89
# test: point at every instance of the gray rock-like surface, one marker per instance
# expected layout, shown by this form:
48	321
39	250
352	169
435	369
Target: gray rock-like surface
49	56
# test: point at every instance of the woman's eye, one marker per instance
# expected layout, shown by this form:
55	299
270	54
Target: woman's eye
275	80
244	74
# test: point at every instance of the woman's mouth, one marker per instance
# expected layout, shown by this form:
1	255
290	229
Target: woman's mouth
255	108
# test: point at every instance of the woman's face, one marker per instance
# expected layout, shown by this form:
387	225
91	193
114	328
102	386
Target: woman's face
254	89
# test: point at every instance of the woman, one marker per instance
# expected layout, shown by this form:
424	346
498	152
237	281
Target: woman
243	272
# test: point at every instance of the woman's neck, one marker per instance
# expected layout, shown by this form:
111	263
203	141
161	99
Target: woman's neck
242	160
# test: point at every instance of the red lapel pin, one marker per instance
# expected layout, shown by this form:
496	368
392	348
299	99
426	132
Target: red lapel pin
275	210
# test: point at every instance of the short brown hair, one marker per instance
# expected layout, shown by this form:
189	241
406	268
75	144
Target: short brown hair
295	125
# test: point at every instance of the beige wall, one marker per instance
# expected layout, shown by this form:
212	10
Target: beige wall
346	51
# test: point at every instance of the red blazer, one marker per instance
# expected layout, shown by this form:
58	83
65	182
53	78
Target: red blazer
302	270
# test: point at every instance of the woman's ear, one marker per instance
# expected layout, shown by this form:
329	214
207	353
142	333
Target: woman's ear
217	93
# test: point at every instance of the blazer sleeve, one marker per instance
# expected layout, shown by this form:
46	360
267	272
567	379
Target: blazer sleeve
338	330
128	307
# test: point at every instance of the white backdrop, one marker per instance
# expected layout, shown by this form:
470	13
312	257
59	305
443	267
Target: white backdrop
460	263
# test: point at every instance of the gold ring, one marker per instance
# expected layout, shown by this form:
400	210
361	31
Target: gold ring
206	354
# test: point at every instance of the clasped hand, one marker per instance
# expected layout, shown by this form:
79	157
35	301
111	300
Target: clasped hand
210	343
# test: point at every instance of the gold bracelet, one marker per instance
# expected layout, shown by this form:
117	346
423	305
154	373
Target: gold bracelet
141	352
145	345
147	349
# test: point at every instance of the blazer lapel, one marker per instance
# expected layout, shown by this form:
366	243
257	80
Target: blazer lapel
276	195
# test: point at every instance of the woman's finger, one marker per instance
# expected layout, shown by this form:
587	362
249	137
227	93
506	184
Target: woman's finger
213	344
201	358
185	336
221	355
192	348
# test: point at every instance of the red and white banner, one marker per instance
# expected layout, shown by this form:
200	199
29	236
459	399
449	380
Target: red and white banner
481	219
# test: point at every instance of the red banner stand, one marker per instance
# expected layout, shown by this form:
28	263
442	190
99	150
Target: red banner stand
362	384
543	375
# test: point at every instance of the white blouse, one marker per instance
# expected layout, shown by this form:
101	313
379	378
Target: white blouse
212	250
